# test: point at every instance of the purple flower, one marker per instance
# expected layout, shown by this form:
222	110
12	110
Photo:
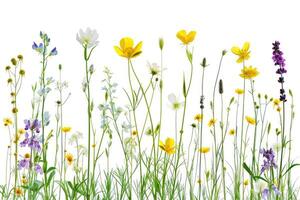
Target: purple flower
24	164
38	169
39	48
53	52
32	141
280	62
269	160
34	125
265	193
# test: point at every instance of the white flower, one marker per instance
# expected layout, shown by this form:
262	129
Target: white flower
88	38
154	68
175	103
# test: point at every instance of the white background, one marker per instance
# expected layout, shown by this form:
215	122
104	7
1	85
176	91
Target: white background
219	25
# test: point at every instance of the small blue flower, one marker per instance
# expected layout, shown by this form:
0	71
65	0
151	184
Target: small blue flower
53	52
39	48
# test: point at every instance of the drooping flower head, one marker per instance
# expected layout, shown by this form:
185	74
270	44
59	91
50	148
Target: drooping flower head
250	120
280	62
87	38
269	159
185	37
127	48
168	146
242	53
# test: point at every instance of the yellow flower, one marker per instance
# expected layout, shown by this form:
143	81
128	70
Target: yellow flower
278	109
69	157
199	181
27	155
198	117
276	102
250	120
24	180
18	192
242	53
212	122
7	122
231	132
185	37
127	49
204	149
246	182
168	146
21	131
93	145
249	72
66	129
239	91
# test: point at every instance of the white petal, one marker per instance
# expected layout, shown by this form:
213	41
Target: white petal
172	98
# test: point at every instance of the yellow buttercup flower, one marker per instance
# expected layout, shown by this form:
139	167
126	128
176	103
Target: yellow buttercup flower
127	48
246	182
198	117
211	122
185	37
249	72
204	149
168	146
7	122
250	120
69	158
231	132
239	91
18	192
66	129
242	53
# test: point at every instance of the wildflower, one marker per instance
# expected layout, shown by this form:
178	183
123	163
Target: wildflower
266	192
93	145
87	38
185	37
204	150
69	158
18	192
24	163
22	72
246	182
134	133
75	137
7	68
14	110
127	49
175	103
280	62
199	181
269	159
198	117
212	122
33	142
20	57
239	91
39	48
242	53
7	122
154	68
249	72
231	132
24	180
33	125
250	120
38	169
21	131
14	61
168	146
66	129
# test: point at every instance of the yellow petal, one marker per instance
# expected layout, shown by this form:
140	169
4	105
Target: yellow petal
246	46
126	42
161	145
191	36
118	51
170	142
236	50
181	35
137	50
